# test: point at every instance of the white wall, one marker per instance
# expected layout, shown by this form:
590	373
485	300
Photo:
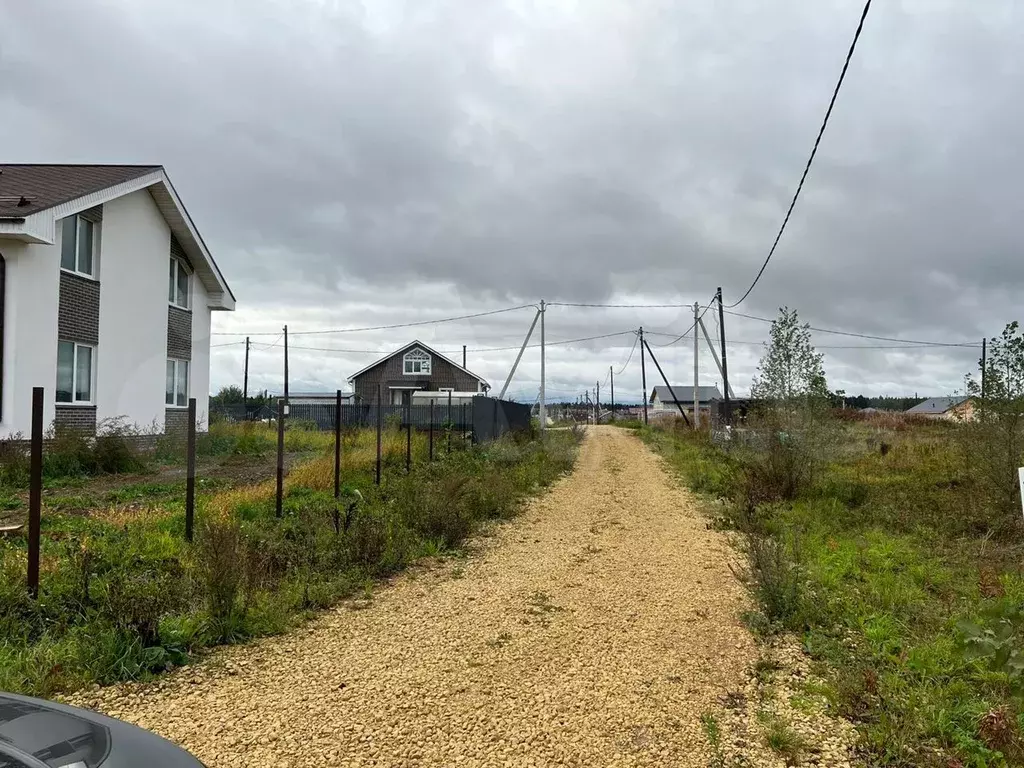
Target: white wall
199	369
131	358
30	322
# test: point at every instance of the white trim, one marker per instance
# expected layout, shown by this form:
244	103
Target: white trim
446	389
40	227
417	343
74	374
174	385
180	264
412	357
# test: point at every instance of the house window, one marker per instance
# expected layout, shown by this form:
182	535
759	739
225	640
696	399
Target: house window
416	362
176	393
177	284
74	372
78	245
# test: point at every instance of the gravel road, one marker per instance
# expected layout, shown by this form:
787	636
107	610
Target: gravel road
592	631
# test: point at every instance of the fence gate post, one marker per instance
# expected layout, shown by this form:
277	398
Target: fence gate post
35	491
280	458
431	429
190	477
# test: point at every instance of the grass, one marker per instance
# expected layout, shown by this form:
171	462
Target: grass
898	584
782	739
124	596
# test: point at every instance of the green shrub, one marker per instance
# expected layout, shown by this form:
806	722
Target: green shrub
776	579
221	551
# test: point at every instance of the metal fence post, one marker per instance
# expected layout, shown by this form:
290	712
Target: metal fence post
190	477
280	458
431	429
380	407
408	436
35	491
450	421
337	458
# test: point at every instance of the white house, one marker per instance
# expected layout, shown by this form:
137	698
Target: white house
106	295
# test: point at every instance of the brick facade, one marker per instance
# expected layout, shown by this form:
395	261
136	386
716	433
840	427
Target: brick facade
175	421
179	333
390	372
75	418
78	309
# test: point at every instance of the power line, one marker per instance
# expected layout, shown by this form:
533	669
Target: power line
620	306
814	151
453	351
631	351
382	327
866	335
692	327
926	345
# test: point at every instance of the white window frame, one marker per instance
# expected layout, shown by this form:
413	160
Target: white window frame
94	275
417	356
74	374
180	265
174	387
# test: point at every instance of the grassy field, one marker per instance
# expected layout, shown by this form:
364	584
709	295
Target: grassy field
895	578
124	596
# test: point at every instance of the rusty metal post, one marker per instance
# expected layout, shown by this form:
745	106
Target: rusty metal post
450	421
190	476
35	491
280	458
408	436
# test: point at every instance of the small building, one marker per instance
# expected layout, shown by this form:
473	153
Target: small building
662	399
106	296
413	368
960	408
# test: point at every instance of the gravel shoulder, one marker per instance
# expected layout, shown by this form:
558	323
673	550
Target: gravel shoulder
594	630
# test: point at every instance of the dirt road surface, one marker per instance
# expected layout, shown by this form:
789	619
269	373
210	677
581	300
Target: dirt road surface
592	631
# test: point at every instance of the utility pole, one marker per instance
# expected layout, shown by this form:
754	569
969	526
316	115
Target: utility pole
543	406
984	365
725	362
286	370
245	380
643	371
696	366
611	379
597	394
519	357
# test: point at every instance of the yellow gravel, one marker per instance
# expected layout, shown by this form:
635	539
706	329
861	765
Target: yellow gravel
592	631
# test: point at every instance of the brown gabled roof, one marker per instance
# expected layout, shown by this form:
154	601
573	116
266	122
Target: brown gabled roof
28	189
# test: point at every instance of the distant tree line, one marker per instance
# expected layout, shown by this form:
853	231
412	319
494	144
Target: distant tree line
882	403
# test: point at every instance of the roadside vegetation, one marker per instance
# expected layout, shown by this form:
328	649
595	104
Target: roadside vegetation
124	596
891	546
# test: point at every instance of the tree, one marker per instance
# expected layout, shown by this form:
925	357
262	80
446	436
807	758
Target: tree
228	396
994	439
791	369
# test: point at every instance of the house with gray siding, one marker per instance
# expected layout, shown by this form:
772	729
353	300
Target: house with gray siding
413	368
106	296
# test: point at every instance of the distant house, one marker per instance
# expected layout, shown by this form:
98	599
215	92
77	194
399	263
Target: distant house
661	399
413	368
951	408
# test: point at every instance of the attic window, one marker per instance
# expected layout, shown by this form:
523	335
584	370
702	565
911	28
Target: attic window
416	362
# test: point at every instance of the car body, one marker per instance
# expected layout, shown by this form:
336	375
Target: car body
35	733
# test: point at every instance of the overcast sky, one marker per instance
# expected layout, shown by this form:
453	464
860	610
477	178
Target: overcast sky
353	164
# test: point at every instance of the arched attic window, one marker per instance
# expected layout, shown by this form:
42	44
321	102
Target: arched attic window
416	362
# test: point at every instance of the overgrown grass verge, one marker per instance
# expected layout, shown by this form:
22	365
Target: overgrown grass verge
903	588
125	597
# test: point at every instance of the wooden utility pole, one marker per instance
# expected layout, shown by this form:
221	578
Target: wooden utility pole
643	371
245	381
286	370
611	381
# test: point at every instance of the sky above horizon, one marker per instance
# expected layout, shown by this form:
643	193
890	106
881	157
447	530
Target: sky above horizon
358	164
